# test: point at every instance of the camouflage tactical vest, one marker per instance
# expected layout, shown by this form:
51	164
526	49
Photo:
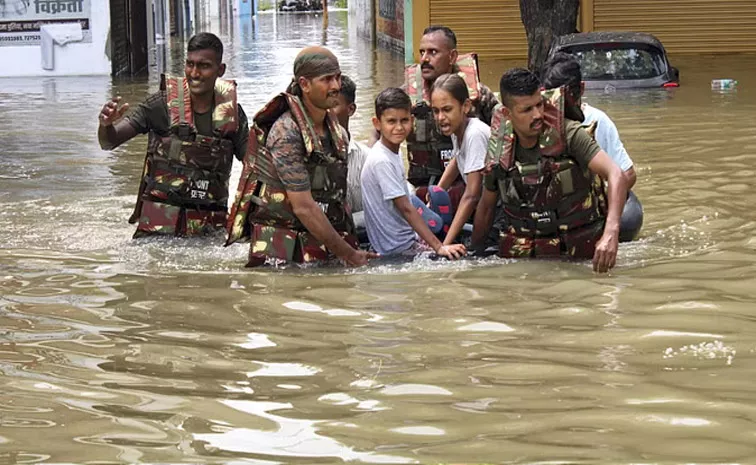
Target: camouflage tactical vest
184	187
262	212
552	207
429	150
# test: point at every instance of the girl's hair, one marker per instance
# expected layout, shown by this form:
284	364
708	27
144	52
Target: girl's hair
455	85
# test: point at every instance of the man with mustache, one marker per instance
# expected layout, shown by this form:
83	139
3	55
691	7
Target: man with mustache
195	129
429	150
291	201
547	172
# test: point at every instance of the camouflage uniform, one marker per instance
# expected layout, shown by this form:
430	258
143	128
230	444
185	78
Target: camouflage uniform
552	204
184	187
286	154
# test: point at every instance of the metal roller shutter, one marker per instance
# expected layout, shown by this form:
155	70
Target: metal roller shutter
684	26
119	37
491	28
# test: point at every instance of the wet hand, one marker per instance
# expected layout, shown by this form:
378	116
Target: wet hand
111	112
605	256
360	258
452	252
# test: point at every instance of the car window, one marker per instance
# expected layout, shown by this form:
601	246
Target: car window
618	62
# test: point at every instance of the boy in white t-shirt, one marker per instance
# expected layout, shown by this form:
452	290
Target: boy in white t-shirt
391	212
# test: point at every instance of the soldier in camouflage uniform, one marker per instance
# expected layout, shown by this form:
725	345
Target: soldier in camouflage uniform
430	151
195	128
291	200
548	173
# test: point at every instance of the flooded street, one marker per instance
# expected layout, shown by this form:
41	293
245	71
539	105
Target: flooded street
169	351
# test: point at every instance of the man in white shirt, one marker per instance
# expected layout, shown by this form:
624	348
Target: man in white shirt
563	69
358	151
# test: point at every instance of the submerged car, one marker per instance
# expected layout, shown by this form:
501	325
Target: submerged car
300	5
619	59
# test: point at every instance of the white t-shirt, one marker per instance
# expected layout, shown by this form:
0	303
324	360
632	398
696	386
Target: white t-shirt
471	153
607	136
358	153
383	180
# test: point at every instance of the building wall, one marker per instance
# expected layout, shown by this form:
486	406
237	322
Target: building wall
362	17
72	59
389	24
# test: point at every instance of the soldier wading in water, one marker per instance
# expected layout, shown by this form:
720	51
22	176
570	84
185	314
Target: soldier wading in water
195	128
291	201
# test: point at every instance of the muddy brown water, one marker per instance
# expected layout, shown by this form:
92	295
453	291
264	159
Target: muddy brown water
169	351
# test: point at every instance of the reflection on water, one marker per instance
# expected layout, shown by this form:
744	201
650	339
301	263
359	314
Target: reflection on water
168	351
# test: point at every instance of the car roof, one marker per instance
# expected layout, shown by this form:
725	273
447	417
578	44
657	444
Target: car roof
585	38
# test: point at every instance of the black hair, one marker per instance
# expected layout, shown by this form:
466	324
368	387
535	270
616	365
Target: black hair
206	41
448	33
348	89
454	84
393	97
518	82
562	69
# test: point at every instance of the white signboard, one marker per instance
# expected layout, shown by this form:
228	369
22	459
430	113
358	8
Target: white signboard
20	20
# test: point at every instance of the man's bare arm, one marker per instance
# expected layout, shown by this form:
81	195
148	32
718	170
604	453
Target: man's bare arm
630	177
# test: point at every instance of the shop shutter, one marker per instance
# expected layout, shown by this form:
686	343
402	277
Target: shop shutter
492	28
684	26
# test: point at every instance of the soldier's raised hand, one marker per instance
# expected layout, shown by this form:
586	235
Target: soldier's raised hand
112	111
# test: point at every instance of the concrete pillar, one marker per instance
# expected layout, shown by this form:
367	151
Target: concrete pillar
416	19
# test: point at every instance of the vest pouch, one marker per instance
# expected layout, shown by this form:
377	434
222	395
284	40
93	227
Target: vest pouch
208	154
184	131
319	180
514	246
581	242
423	122
309	249
201	223
158	218
271	242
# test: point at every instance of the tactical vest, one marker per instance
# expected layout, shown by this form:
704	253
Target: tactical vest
429	150
262	212
552	207
184	187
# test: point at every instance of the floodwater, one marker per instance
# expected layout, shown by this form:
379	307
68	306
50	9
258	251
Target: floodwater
169	351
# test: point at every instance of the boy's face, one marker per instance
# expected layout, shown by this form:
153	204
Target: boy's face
394	125
344	110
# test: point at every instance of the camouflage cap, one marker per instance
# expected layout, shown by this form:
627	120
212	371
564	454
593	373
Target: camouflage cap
313	62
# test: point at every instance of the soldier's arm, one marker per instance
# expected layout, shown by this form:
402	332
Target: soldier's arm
114	130
605	256
484	215
242	135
